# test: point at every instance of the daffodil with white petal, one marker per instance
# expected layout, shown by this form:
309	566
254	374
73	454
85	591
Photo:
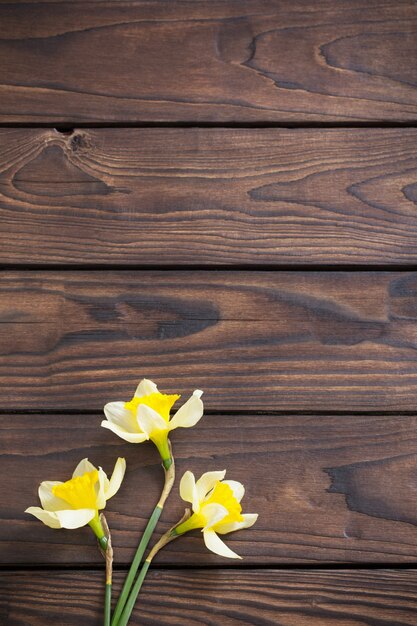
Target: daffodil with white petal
147	417
77	501
216	509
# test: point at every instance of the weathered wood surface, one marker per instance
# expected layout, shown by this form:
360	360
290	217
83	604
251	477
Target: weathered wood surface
208	196
218	598
260	341
327	488
250	60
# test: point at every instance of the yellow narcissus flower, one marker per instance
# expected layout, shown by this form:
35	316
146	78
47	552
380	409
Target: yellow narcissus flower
216	509
77	502
147	416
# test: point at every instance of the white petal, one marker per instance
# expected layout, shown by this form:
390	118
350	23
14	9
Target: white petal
149	420
123	434
83	467
116	478
214	513
207	482
117	413
101	487
189	414
47	517
145	388
188	490
237	488
75	518
216	545
48	500
248	521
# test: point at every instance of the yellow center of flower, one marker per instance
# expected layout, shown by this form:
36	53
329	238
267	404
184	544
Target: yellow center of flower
223	494
79	492
159	402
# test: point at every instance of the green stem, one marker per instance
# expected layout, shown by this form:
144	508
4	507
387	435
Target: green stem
98	530
128	608
103	543
170	535
164	448
107	605
107	552
150	527
135	564
167	463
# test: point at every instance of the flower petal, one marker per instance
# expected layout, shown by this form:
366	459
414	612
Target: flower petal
145	388
213	513
48	500
188	490
248	520
149	420
118	414
47	517
116	478
83	467
123	434
207	481
237	488
101	487
216	545
75	518
63	519
190	412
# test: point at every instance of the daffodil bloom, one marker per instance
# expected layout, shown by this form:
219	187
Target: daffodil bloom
77	501
147	416
216	509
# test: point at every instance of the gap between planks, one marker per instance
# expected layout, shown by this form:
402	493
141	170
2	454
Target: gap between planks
124	567
225	413
69	128
241	267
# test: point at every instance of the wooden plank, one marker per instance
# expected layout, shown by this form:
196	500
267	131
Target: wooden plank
261	341
218	597
327	488
208	196
211	61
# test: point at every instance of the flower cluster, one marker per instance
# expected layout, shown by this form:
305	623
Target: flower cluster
215	502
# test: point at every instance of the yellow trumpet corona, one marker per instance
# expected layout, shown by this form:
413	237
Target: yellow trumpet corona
147	416
216	509
77	501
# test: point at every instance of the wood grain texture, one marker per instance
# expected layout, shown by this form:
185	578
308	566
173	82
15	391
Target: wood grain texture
327	488
250	60
261	341
208	196
218	598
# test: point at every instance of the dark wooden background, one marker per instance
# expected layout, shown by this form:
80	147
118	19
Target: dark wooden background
217	194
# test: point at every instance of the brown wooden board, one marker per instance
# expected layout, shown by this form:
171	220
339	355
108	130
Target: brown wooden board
211	61
218	598
160	160
259	341
328	488
208	196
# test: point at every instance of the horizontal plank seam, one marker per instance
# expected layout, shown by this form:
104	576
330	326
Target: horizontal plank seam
226	567
70	126
225	413
123	267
